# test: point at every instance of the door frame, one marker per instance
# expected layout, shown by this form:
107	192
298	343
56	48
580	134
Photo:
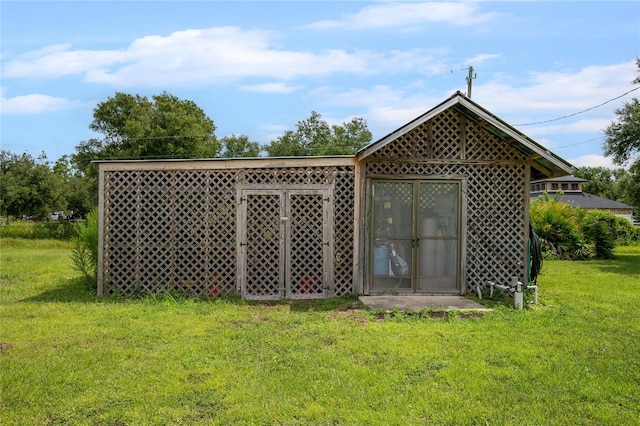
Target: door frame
367	241
285	192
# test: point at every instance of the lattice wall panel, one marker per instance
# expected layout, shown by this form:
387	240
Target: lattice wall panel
483	145
495	194
176	230
169	231
306	244
263	245
343	228
439	138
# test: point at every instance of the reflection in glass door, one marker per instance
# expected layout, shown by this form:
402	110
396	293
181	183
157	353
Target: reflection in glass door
392	236
415	237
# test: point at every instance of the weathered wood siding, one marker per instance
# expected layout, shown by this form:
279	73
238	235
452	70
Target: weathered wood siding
172	226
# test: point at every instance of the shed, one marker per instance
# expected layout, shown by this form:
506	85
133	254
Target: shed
435	207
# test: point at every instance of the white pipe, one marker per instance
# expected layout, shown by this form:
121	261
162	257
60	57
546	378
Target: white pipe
518	300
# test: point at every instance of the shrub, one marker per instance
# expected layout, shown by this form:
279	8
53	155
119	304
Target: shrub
62	230
84	252
598	228
573	233
556	225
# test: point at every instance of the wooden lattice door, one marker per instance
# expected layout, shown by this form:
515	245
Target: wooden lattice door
286	243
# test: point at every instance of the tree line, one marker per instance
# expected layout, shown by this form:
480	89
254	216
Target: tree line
160	127
164	126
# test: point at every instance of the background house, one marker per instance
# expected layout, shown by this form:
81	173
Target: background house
572	193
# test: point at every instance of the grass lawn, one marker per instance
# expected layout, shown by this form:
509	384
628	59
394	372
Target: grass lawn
69	358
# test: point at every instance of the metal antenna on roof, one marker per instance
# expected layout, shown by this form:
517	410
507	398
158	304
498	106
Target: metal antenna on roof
472	76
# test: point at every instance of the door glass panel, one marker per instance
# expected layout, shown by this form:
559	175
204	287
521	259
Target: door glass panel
392	205
392	235
438	211
438	237
421	256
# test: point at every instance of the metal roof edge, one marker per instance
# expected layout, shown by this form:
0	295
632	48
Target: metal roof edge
216	159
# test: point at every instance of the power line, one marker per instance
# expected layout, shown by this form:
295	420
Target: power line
579	143
579	112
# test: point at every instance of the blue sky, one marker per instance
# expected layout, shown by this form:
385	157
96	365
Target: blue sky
256	68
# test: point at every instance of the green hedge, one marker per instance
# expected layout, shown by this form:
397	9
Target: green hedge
61	230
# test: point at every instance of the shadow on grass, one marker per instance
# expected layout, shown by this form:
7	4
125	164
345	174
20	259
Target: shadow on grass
77	291
73	290
623	264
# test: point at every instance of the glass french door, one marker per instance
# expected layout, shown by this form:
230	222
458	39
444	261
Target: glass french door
415	237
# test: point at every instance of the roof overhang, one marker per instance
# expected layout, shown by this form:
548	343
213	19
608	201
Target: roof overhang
544	162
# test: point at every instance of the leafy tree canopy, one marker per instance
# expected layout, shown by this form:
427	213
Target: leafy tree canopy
239	146
29	186
315	137
617	184
133	126
623	135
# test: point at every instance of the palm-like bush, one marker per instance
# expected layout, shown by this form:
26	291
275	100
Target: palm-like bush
573	233
557	226
85	248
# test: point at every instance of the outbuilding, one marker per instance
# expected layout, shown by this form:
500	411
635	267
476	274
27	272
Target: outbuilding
436	207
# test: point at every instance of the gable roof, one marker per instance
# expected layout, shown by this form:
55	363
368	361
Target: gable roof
544	163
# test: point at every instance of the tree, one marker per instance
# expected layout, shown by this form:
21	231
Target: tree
29	186
135	127
239	146
628	184
315	137
622	137
600	181
76	188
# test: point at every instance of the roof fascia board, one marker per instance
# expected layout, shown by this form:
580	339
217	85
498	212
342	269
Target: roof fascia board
224	163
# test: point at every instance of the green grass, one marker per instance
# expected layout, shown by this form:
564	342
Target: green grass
69	358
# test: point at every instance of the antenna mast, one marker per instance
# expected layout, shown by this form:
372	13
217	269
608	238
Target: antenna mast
472	76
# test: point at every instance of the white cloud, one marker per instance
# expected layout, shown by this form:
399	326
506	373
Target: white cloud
33	104
271	88
391	15
59	60
592	125
481	58
549	95
213	55
593	161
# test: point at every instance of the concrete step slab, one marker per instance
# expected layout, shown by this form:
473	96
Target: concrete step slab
418	303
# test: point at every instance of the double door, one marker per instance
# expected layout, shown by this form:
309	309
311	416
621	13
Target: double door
415	237
285	243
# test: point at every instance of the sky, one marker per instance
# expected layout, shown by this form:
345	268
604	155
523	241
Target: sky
554	70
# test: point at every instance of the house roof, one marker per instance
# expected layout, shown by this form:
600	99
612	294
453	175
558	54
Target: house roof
544	163
562	179
587	201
